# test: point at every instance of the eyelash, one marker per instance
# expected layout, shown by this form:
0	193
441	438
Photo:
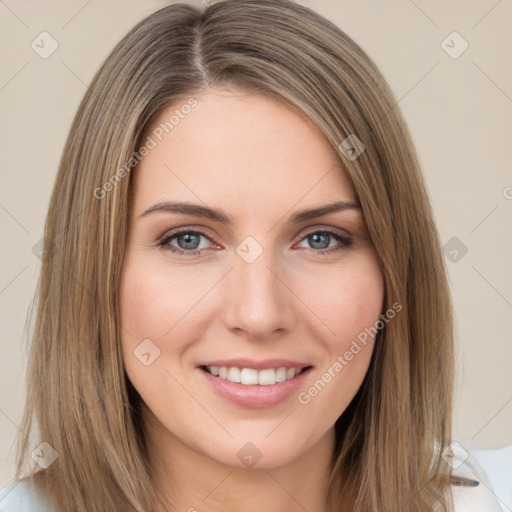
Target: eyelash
164	242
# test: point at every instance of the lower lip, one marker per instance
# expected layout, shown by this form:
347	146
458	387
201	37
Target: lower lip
256	396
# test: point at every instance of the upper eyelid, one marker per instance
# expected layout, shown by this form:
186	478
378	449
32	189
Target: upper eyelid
314	229
201	231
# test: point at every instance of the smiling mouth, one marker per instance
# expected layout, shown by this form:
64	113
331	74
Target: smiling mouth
252	377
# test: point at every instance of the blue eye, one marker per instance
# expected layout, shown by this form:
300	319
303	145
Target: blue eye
189	242
319	239
189	245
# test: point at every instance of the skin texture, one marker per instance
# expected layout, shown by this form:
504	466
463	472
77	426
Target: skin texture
259	161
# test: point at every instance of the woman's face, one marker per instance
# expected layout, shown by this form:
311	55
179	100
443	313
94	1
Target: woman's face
244	279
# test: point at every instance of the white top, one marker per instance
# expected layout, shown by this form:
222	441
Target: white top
491	468
22	496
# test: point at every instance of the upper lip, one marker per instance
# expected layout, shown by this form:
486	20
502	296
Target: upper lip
257	365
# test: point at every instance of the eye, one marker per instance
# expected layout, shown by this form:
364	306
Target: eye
189	242
320	241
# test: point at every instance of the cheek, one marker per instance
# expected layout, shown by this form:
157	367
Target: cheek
157	316
347	299
151	304
162	314
155	300
349	304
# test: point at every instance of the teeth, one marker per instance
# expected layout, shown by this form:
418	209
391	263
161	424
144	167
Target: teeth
249	376
234	374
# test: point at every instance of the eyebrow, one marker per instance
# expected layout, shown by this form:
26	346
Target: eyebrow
198	210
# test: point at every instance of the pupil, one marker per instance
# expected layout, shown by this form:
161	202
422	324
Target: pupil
189	241
317	239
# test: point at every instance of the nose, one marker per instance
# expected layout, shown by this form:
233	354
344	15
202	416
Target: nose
257	302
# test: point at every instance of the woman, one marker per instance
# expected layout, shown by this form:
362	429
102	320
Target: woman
242	292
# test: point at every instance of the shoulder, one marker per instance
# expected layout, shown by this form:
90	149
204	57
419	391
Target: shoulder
22	496
483	479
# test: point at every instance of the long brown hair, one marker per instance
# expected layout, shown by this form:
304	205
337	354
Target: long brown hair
78	392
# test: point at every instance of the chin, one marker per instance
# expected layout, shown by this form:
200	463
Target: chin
259	453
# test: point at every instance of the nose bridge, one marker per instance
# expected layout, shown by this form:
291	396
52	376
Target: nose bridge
258	302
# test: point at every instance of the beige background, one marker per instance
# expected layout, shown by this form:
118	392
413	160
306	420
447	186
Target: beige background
459	111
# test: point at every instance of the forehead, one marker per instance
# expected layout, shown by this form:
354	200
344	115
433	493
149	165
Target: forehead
236	146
